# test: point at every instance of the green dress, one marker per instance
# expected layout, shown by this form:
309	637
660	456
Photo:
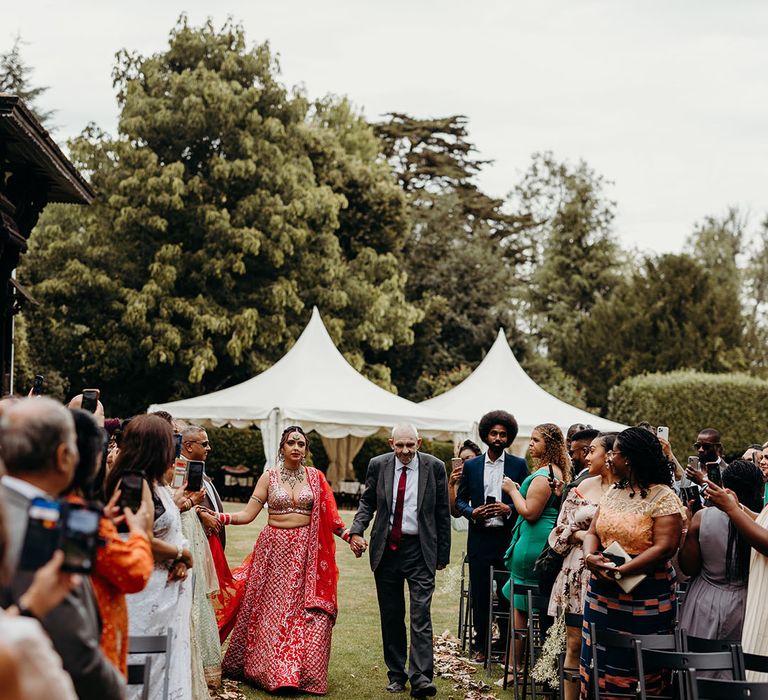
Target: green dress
528	541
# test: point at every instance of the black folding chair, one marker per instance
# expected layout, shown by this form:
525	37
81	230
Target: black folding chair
138	674
631	643
155	644
569	674
498	578
539	622
522	634
755	662
465	605
679	662
710	689
703	645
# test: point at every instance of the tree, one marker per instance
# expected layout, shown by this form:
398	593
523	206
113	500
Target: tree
16	79
668	314
461	255
226	208
574	252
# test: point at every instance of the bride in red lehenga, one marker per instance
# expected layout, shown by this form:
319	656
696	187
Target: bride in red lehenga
282	606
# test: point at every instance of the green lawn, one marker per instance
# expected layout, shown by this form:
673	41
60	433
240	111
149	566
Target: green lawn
357	667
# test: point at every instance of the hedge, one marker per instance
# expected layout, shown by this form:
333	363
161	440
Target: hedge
232	446
687	401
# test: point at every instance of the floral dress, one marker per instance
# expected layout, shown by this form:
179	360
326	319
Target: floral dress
571	583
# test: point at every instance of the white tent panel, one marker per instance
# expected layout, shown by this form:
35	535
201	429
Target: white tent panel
499	382
314	386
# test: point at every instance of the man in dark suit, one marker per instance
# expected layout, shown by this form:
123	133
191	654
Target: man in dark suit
39	447
491	516
411	538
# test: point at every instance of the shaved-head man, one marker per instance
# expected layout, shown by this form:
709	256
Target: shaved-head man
411	538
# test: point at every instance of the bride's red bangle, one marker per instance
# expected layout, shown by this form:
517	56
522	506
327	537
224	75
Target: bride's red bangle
224	518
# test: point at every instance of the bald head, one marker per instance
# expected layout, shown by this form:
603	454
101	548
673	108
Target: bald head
39	443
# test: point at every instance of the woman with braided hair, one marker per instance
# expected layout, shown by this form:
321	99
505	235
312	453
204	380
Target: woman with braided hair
643	515
284	605
537	506
716	554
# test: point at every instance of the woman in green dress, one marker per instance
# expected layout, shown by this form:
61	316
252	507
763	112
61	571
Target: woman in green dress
537	506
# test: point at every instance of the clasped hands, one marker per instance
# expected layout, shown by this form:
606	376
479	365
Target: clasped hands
358	545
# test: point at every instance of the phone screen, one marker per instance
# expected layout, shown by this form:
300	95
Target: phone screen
489	500
37	387
615	558
42	536
713	473
131	490
80	538
90	400
195	475
177	438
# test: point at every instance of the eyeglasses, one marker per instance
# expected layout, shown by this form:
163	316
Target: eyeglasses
699	445
204	443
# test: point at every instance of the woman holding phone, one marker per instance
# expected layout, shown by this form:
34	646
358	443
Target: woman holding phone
467	450
537	506
643	516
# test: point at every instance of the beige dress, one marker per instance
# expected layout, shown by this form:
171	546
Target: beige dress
754	638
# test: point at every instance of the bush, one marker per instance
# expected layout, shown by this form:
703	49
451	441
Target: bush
688	401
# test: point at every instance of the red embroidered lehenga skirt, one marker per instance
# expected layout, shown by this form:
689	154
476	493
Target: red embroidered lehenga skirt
277	642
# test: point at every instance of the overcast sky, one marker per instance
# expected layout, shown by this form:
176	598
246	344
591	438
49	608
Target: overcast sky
668	100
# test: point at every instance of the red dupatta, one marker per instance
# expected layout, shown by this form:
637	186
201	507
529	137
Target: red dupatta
321	574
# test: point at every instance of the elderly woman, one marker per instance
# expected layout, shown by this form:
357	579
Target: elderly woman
285	603
644	516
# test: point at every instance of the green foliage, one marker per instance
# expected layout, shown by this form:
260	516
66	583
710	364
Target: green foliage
232	447
16	79
689	401
669	314
227	207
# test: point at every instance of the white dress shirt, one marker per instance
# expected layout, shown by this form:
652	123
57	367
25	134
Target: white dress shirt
24	488
410	524
493	474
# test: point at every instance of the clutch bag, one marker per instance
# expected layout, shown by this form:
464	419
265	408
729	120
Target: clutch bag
627	583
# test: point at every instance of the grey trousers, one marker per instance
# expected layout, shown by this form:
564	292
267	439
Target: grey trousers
395	568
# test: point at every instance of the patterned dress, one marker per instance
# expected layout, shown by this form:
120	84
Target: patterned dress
287	606
570	585
648	609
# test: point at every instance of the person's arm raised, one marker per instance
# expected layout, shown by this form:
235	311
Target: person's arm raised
689	556
532	505
252	508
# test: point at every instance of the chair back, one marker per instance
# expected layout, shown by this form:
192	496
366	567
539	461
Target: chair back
700	644
755	662
574	620
155	644
138	674
655	660
710	689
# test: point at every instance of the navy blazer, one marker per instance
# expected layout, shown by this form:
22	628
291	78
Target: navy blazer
471	495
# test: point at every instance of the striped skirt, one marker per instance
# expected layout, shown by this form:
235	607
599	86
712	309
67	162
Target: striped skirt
648	609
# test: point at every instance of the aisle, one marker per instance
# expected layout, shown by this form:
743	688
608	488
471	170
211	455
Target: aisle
357	668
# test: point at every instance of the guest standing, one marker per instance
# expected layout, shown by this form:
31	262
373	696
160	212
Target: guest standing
642	514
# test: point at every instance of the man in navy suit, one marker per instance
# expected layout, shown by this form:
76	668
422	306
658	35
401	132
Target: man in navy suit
491	515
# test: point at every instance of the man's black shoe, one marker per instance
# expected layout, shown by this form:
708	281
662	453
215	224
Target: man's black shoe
425	690
396	687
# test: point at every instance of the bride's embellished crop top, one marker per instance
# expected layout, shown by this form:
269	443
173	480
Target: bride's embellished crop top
281	502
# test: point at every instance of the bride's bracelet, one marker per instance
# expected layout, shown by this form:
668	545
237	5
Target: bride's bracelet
345	535
224	518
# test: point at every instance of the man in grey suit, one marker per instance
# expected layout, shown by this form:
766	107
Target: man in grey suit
410	539
39	447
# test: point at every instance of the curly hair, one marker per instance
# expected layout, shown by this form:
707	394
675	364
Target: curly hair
647	463
469	445
555	452
745	479
284	437
498	418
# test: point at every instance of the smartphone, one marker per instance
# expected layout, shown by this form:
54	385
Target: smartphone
490	500
37	387
179	473
195	469
693	462
177	438
90	400
42	537
663	432
615	558
690	494
80	537
456	462
131	491
713	473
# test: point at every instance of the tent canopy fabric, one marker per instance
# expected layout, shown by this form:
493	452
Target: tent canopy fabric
499	382
314	386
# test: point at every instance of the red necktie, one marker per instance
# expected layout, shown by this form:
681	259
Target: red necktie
397	522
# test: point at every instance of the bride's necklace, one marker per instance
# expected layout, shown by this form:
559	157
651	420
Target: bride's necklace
292	476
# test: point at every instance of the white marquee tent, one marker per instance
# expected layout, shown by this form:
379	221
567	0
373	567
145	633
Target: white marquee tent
314	386
499	382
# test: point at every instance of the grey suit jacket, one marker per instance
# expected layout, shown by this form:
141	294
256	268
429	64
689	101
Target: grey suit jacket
434	513
74	626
